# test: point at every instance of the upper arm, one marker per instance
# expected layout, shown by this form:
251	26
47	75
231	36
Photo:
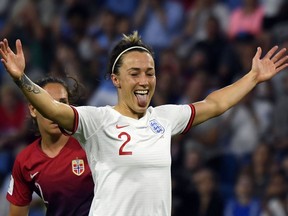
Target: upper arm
205	110
18	210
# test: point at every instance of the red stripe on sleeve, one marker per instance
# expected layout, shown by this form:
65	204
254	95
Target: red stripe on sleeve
75	125
192	116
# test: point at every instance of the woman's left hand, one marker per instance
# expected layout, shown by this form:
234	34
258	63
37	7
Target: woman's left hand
269	65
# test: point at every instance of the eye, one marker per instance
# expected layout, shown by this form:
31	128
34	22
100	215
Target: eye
134	73
63	101
150	74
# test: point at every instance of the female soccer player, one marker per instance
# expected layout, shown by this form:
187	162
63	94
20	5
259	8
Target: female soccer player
128	145
54	166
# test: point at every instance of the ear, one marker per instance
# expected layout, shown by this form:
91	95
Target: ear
115	80
32	111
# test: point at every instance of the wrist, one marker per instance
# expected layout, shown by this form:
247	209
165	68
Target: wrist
18	81
252	77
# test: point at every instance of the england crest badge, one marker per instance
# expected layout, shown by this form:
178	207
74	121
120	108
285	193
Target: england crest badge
78	167
156	127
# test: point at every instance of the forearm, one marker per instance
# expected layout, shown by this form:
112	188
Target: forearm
223	99
229	96
37	96
45	104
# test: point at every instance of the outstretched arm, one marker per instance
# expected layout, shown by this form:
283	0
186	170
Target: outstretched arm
221	100
14	63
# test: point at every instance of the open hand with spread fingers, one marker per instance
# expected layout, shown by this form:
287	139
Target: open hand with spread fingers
270	64
14	63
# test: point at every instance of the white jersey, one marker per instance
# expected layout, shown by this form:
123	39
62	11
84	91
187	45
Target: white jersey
130	159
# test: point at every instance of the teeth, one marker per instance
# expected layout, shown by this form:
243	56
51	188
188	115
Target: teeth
141	92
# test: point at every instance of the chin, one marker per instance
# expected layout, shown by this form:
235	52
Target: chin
141	110
55	131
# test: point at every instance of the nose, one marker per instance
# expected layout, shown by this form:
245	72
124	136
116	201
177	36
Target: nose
143	80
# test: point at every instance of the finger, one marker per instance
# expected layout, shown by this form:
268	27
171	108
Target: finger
278	55
271	52
19	47
281	61
281	67
2	52
258	53
7	47
6	44
4	63
2	46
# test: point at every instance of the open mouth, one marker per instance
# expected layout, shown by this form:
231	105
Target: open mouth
142	97
141	92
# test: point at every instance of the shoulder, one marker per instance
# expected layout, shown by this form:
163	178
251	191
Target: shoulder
88	110
161	107
26	157
168	109
74	144
28	151
93	108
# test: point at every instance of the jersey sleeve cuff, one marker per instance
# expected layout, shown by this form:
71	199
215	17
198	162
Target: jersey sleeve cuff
191	119
75	124
15	202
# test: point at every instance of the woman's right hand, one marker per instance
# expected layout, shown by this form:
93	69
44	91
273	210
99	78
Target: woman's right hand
13	63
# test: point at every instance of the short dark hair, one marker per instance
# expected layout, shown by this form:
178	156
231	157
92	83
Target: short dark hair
73	91
126	42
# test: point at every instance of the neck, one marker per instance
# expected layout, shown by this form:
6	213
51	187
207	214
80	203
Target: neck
52	145
126	111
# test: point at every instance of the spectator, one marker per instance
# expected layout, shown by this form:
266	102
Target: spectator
122	7
200	13
244	202
259	168
246	19
243	126
13	117
280	121
205	199
13	127
161	18
276	196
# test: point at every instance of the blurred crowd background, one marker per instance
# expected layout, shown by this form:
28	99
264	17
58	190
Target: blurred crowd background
235	164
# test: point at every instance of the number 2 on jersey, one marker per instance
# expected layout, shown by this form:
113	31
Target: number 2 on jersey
128	138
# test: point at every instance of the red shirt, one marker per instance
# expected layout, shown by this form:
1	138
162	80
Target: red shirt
64	182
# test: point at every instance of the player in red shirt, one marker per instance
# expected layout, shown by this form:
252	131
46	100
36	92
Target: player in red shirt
54	166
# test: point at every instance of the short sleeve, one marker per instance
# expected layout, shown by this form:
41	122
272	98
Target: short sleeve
19	192
181	117
191	119
89	120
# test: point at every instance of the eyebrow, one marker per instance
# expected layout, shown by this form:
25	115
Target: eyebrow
139	69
